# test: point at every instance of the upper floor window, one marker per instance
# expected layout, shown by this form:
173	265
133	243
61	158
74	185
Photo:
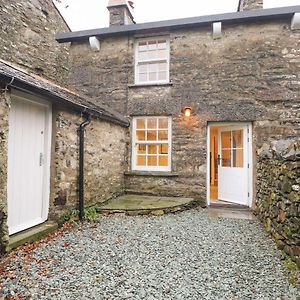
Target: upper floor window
152	61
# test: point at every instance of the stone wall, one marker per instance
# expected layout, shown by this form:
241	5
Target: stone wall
278	196
27	38
250	74
104	161
4	104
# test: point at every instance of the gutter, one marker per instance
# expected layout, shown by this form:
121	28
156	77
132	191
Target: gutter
81	165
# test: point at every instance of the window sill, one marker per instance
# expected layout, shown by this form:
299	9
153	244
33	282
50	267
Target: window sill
151	173
143	85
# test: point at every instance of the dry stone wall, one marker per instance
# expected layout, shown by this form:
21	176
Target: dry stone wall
278	193
105	148
27	38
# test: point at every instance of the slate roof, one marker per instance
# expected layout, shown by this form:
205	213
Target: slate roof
169	25
23	80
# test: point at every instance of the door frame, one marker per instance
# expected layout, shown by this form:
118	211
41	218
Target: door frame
27	97
250	158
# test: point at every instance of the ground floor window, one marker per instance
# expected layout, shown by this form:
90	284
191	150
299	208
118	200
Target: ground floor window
151	143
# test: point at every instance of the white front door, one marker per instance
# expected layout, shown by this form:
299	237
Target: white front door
28	163
233	163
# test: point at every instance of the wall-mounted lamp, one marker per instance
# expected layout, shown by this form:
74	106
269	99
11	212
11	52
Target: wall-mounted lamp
187	111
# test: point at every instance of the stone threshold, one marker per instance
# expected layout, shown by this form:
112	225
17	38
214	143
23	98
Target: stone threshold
231	213
31	235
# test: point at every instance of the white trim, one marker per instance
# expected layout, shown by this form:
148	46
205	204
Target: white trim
137	62
134	167
46	159
248	125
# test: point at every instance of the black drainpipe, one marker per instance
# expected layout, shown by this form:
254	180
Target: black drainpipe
81	165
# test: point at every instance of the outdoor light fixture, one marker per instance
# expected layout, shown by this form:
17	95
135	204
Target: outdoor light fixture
187	111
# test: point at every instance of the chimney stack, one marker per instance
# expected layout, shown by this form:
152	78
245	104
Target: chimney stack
250	4
120	12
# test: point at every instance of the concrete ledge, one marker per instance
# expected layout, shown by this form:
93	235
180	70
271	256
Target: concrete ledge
31	234
151	174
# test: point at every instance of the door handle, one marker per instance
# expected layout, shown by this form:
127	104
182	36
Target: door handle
41	159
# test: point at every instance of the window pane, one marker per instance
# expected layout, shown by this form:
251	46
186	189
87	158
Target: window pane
237	157
162	66
163	123
152	45
141	160
152	67
140	124
163	149
143	68
162	53
226	158
162	135
151	135
142	46
152	54
141	149
140	135
162	44
152	149
152	76
152	123
143	55
152	160
143	77
163	161
226	139
237	138
162	75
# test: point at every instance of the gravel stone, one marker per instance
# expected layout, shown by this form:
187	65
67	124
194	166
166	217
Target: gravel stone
183	256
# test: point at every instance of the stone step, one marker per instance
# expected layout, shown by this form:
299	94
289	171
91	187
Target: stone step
31	235
140	205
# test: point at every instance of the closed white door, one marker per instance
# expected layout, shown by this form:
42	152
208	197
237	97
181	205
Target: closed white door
233	163
27	163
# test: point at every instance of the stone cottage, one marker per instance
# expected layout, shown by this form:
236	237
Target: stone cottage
213	105
40	147
213	102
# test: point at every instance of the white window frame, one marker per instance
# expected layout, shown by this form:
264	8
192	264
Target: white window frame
137	62
135	142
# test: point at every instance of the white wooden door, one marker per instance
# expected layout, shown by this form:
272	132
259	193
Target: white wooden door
233	164
27	164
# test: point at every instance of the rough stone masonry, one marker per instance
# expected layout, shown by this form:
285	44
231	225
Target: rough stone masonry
278	193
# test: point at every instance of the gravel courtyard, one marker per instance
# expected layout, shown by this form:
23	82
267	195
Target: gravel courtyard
184	256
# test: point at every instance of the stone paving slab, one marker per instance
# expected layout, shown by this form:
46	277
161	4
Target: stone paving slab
141	202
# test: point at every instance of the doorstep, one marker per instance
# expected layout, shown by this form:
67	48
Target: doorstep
31	235
231	213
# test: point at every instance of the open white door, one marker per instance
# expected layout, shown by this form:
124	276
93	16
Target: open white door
28	164
233	161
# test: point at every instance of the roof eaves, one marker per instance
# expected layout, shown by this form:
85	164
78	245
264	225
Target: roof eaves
62	97
227	18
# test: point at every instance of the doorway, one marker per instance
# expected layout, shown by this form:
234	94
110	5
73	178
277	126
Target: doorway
229	164
29	143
